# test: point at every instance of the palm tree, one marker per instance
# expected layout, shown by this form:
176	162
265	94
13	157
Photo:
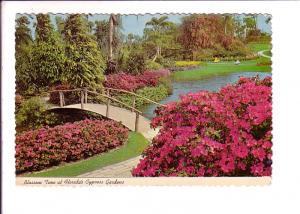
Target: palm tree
226	20
268	20
114	21
156	30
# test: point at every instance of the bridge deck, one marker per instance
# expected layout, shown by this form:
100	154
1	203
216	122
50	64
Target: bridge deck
126	117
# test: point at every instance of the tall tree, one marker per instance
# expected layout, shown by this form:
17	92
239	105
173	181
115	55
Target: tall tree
44	29
48	56
201	31
23	48
204	34
102	33
228	24
268	19
156	32
250	24
114	23
60	24
85	64
23	33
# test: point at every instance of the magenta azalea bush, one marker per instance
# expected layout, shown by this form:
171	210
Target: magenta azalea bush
134	82
225	133
46	147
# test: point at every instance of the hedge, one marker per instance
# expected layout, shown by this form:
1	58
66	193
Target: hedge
46	147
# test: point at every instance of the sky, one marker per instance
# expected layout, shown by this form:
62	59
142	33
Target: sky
135	24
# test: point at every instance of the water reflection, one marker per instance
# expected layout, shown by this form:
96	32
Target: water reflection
210	84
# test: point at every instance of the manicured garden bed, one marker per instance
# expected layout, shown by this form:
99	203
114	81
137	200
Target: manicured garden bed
47	147
135	145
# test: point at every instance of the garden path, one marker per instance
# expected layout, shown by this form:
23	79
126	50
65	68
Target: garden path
261	53
122	169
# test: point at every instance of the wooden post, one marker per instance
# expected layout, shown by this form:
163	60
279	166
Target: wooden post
82	99
61	99
133	103
85	96
107	104
137	117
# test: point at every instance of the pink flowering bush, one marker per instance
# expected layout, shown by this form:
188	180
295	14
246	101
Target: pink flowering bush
46	147
134	82
225	133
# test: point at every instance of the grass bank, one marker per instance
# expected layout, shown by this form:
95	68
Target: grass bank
135	146
256	47
222	68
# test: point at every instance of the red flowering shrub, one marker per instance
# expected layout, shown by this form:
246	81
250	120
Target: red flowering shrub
225	133
46	147
134	82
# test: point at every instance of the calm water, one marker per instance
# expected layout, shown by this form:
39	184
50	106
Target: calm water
210	84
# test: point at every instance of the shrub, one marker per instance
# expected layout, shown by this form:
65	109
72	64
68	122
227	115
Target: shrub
225	133
263	61
136	62
130	82
46	147
165	62
150	65
160	72
167	83
153	93
19	99
187	63
31	114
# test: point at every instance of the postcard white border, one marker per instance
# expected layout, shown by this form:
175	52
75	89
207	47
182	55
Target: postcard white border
281	196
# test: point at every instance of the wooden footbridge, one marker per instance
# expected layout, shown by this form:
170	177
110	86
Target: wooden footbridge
110	107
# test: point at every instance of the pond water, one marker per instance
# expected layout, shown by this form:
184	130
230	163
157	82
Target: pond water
209	84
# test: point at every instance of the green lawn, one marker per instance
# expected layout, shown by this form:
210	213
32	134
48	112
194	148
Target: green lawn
135	146
221	68
255	47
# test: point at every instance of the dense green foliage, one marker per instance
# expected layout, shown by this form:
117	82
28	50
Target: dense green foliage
48	58
85	64
31	115
151	65
23	53
210	35
153	93
76	50
136	62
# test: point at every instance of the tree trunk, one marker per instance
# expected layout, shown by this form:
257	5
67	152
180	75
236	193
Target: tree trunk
111	28
157	53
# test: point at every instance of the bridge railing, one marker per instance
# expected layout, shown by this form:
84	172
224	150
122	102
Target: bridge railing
108	99
134	95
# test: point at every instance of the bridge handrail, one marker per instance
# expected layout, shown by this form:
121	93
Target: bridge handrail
113	89
66	90
134	94
118	101
84	100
